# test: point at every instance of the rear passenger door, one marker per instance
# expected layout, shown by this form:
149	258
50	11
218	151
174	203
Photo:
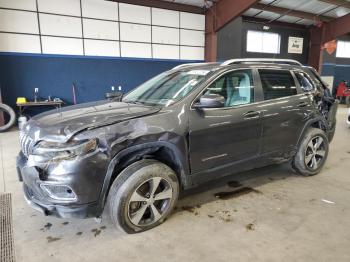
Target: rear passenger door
281	112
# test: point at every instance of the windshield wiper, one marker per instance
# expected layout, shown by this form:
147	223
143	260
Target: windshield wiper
133	102
137	102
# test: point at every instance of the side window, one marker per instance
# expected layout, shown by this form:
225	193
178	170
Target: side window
236	87
304	81
277	83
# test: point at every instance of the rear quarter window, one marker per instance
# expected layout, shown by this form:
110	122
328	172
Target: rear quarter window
277	83
305	82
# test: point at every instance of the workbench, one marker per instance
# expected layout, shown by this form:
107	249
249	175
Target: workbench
23	106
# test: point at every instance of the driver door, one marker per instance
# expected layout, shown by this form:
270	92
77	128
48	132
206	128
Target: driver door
222	137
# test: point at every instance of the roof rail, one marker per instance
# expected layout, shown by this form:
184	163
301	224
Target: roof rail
262	60
191	64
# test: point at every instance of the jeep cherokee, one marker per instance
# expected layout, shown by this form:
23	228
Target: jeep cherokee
189	125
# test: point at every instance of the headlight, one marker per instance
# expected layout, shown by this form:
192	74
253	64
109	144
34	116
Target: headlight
65	150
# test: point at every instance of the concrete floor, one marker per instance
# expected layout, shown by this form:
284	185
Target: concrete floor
287	218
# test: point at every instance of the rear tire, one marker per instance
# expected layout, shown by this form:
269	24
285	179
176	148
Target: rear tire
142	196
312	153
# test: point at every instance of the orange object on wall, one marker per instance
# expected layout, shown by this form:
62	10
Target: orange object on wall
330	46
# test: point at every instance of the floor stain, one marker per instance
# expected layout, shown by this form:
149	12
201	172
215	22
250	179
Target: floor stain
250	226
65	223
190	209
103	227
46	227
227	219
279	196
96	231
52	239
79	233
236	193
234	184
225	215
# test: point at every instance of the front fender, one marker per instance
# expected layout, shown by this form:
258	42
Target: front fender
137	152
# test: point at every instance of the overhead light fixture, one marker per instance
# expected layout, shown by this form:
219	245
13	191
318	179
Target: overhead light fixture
266	27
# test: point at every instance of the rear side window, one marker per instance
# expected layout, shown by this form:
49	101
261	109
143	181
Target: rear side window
304	81
277	83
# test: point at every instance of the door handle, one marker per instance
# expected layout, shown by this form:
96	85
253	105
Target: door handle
303	104
251	114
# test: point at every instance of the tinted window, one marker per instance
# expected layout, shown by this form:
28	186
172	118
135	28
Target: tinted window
304	81
236	87
277	83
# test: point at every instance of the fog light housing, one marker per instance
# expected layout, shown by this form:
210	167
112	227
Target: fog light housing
59	192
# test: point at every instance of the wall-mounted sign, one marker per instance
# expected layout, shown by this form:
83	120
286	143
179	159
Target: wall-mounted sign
295	45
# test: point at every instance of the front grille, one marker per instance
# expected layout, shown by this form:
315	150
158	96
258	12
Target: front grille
26	143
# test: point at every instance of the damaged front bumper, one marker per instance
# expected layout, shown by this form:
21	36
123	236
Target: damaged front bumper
80	211
67	189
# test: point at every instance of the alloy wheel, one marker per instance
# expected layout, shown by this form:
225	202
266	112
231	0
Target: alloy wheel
315	152
150	201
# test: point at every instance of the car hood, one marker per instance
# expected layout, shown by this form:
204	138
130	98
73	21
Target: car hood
61	124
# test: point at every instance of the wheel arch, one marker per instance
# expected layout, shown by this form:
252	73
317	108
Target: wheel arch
319	123
162	151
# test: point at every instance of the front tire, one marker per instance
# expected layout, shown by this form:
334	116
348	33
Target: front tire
312	153
142	196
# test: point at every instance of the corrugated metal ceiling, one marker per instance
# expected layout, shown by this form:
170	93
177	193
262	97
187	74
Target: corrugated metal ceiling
317	7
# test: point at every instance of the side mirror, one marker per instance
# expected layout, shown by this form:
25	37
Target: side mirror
210	101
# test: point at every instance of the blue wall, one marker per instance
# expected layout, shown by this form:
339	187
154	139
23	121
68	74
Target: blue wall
339	71
54	75
335	66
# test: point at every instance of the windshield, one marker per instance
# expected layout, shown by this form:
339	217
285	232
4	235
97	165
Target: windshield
166	88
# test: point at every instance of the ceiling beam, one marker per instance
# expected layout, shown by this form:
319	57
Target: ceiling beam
336	28
224	11
290	12
164	5
342	3
274	23
216	17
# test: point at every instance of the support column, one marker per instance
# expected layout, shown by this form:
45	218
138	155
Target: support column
315	49
210	37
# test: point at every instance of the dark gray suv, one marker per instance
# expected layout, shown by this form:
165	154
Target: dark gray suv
184	127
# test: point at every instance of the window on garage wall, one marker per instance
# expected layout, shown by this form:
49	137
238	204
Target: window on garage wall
343	49
263	42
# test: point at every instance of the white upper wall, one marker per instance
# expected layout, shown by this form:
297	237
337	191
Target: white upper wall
99	28
100	9
63	7
19	4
